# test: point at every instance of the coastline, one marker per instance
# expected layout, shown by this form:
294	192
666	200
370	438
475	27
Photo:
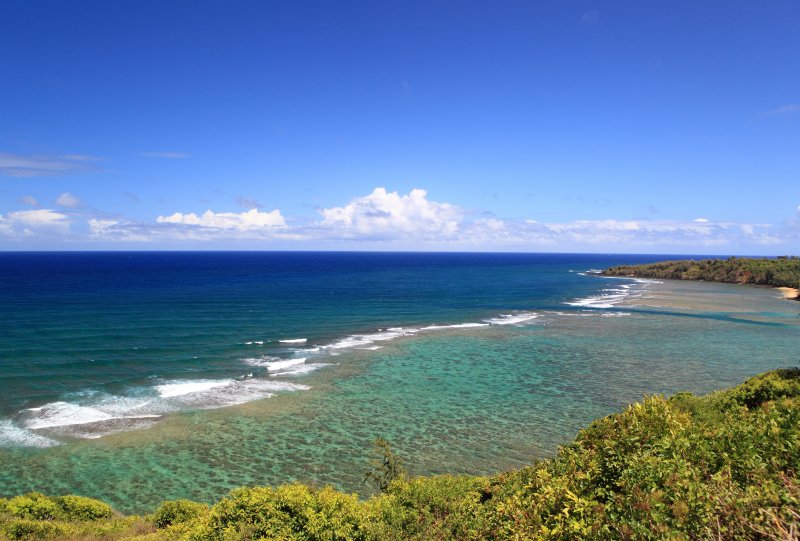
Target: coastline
453	388
782	273
790	293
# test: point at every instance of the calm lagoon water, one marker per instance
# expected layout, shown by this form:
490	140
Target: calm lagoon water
137	377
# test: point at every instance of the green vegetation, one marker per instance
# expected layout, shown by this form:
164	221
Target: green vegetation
722	466
386	467
780	272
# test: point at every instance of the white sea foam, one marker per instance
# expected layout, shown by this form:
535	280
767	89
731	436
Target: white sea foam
294	341
362	340
513	319
93	414
283	365
600	301
609	297
57	414
264	360
180	388
236	392
299	369
454	326
12	435
254	342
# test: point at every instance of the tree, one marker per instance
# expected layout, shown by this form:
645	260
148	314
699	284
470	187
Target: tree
386	466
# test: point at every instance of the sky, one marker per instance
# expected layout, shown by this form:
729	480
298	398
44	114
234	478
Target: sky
569	126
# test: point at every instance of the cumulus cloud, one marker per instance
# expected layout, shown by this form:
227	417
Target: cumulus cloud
99	227
250	220
28	223
391	220
42	165
386	215
67	200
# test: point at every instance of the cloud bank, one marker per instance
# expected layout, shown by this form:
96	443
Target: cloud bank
251	220
32	223
385	219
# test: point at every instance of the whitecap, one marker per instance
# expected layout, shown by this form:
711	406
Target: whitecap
235	392
180	388
299	369
294	341
361	340
262	361
282	365
513	319
56	414
12	435
454	326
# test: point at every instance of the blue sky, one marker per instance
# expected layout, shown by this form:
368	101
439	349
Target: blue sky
657	127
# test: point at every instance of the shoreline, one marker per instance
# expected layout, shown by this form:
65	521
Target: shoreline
782	273
320	437
790	293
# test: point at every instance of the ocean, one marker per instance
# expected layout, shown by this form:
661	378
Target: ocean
142	376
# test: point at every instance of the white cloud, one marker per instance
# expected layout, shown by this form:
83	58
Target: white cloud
250	220
620	234
387	215
42	165
28	223
38	218
29	200
390	220
99	228
67	200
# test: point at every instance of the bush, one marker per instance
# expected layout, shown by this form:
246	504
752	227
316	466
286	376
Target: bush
81	508
24	529
177	512
288	512
33	506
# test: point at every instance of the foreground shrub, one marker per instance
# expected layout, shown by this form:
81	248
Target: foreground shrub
178	512
721	467
441	507
81	508
25	529
288	512
34	506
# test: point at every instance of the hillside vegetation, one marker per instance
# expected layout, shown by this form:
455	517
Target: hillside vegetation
721	466
779	272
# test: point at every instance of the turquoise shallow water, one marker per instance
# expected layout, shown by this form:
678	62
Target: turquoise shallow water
472	399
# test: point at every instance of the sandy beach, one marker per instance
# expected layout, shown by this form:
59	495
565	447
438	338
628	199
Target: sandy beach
789	292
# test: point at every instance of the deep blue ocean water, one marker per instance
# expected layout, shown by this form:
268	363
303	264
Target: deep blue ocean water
112	322
141	376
